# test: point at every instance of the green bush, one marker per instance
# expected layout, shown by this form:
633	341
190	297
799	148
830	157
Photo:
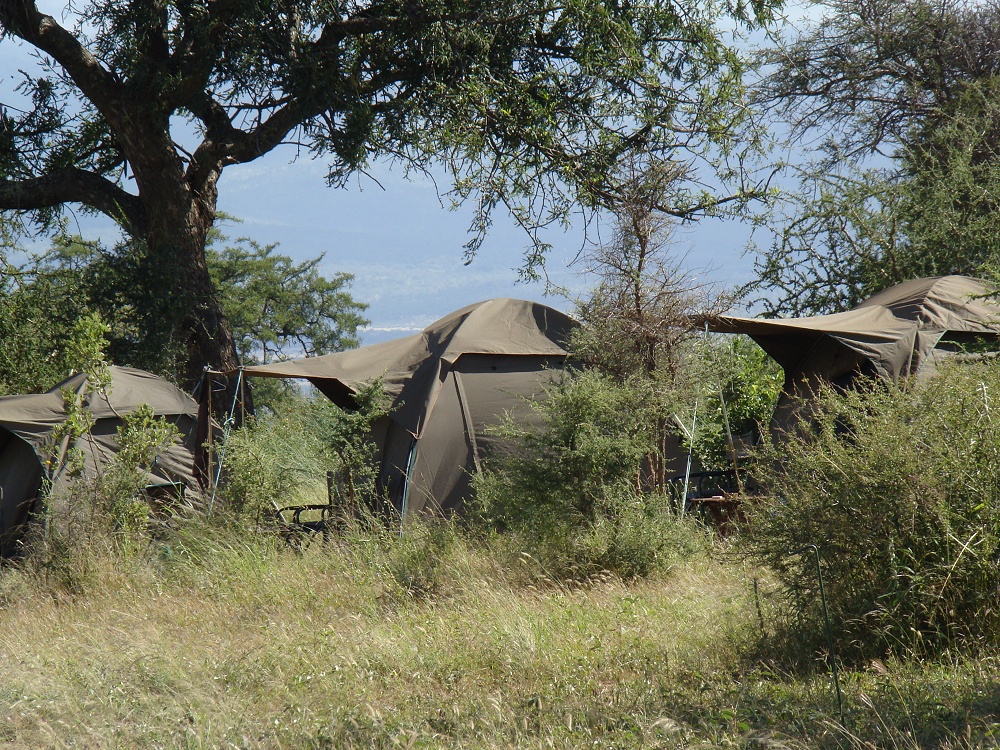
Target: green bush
572	492
106	516
274	460
283	458
141	437
741	384
900	490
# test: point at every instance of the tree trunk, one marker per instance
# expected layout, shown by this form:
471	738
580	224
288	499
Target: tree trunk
178	231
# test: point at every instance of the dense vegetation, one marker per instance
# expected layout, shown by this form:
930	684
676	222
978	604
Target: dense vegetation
277	307
899	489
573	608
576	603
217	635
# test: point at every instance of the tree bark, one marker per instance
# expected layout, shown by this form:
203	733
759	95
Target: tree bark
179	222
177	247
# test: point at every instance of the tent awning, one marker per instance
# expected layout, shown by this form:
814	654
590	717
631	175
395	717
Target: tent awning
891	329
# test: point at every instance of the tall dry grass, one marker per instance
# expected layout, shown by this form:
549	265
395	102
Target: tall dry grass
223	638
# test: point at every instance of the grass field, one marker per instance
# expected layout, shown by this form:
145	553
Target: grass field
225	639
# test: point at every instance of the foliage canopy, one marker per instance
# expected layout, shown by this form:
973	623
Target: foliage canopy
527	105
898	99
278	307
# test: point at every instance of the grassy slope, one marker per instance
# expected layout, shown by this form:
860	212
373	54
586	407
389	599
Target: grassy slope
228	643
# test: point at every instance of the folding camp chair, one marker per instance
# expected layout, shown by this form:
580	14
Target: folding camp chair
299	523
298	529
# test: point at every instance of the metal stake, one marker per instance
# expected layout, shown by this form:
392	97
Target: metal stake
826	620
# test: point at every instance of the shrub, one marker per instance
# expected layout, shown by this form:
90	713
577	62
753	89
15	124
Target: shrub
900	490
273	460
104	516
347	441
572	493
141	437
743	384
284	459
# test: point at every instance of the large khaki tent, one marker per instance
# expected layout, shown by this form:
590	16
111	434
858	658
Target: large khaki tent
894	334
27	445
448	384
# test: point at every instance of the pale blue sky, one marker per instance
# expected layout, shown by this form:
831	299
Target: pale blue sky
405	247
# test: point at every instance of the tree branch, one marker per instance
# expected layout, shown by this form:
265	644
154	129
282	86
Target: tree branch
69	185
24	20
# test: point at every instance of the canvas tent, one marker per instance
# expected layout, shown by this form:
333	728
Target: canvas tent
894	334
27	444
447	384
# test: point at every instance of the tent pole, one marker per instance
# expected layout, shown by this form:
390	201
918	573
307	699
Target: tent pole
243	397
225	436
690	458
206	382
405	499
687	471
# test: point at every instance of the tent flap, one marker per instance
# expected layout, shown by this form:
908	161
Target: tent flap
882	329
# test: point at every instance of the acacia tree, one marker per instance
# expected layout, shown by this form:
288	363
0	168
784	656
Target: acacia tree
526	103
839	239
950	201
638	321
639	315
915	81
870	73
